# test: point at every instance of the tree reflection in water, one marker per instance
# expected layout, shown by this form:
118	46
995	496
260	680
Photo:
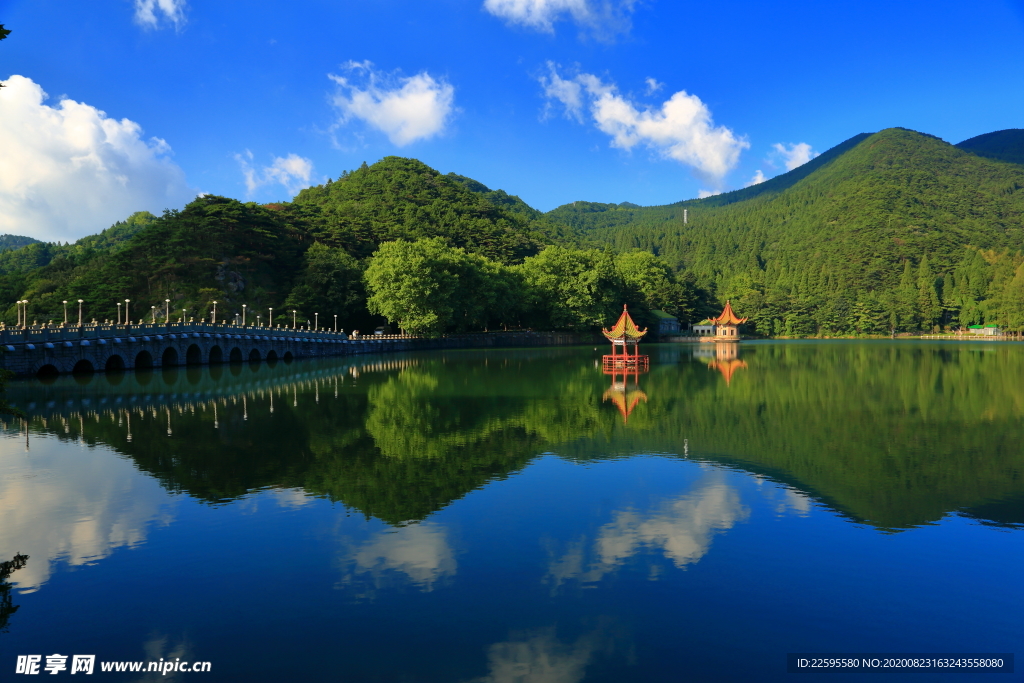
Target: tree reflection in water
7	606
890	434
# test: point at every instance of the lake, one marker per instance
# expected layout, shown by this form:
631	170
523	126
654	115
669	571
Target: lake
520	516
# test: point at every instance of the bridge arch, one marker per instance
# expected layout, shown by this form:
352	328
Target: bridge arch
48	370
216	355
114	363
287	357
170	356
83	367
254	356
236	355
143	360
271	355
193	355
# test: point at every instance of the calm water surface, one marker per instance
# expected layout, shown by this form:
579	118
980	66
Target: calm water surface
519	516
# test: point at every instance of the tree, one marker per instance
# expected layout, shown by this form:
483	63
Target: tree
651	281
426	286
3	34
331	283
573	288
929	306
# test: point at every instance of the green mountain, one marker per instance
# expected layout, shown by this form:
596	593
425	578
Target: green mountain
15	242
892	231
399	198
895	231
1003	145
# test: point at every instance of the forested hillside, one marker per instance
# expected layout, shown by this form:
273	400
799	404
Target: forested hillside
892	231
14	242
454	255
895	231
1003	145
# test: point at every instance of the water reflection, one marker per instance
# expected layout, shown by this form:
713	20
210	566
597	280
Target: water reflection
539	656
722	357
419	554
624	397
160	648
890	434
7	606
75	506
681	530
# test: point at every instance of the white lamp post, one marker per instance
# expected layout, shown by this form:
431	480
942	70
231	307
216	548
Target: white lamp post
118	312
214	319
65	312
335	322
167	309
243	315
316	322
293	319
127	316
152	313
80	312
271	318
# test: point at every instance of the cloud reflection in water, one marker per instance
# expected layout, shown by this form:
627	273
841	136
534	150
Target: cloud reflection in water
420	552
681	529
58	502
538	656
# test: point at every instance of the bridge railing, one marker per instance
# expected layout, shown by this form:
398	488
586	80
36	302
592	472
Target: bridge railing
52	333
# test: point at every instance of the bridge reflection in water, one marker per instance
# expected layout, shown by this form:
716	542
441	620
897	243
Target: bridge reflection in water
162	393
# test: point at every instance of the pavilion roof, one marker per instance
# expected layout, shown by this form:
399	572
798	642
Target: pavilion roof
624	328
728	317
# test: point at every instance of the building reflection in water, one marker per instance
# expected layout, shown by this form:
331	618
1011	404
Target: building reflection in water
620	393
722	357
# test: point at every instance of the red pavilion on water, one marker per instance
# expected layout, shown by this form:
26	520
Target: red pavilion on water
625	336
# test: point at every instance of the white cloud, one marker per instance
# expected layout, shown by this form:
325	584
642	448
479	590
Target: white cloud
758	178
653	85
406	109
292	171
681	129
568	92
148	12
792	155
603	18
70	170
704	194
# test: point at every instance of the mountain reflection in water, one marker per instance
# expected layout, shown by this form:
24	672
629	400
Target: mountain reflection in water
493	517
891	434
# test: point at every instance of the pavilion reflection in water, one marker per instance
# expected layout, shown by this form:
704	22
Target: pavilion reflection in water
722	357
620	393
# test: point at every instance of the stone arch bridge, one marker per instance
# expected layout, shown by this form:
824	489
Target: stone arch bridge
96	348
51	349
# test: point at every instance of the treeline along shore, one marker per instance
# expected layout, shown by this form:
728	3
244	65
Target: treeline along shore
886	233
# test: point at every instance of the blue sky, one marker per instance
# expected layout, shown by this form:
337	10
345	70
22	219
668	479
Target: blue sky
149	102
